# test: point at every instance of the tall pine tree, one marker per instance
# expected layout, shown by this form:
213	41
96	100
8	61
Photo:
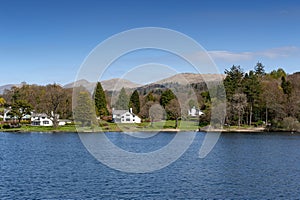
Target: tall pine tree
83	111
134	102
100	101
233	81
122	102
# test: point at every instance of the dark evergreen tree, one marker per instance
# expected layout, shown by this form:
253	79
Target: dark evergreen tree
259	69
252	89
122	102
286	86
233	81
166	97
100	101
134	102
83	111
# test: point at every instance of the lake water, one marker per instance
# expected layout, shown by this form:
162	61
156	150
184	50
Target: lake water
241	166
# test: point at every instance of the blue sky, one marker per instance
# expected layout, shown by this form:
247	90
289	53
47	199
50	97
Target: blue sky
46	41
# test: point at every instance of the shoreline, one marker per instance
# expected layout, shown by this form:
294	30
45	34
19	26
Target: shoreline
171	130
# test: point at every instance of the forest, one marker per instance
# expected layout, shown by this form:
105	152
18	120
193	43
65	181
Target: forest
254	98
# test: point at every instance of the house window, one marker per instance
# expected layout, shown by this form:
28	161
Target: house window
127	119
36	123
45	122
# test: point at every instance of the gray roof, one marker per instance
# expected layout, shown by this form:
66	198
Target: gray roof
39	115
119	112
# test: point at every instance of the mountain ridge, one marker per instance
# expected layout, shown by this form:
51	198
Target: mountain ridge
117	83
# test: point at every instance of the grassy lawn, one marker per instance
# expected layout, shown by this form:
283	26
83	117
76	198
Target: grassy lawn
147	126
111	127
28	128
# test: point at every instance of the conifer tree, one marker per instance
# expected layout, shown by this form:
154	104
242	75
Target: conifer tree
122	102
134	102
83	111
100	101
166	97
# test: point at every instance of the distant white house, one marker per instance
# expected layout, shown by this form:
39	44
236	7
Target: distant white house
125	116
194	112
7	117
41	119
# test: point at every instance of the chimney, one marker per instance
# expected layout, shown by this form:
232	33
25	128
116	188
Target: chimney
130	110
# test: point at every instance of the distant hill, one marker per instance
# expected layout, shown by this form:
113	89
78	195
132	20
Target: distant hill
8	86
111	84
116	84
185	78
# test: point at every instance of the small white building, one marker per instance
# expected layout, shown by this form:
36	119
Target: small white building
41	120
194	112
125	116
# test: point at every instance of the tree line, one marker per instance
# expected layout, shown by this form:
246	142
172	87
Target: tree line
254	98
257	97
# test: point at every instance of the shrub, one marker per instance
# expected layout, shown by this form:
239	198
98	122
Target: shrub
6	126
290	124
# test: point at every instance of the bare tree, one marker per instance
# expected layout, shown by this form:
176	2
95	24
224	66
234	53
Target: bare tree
239	103
53	101
156	113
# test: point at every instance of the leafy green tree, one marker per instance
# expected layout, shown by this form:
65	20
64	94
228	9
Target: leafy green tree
123	101
83	111
277	74
166	97
173	111
134	102
20	108
100	101
2	101
150	97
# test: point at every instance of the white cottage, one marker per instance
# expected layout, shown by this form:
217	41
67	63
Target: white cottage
125	116
193	112
41	120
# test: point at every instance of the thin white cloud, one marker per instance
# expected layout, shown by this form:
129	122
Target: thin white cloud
230	56
280	52
273	53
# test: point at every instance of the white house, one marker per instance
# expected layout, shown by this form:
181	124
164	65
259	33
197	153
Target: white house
125	116
193	112
41	120
5	116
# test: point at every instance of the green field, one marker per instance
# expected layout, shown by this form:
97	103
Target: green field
111	127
